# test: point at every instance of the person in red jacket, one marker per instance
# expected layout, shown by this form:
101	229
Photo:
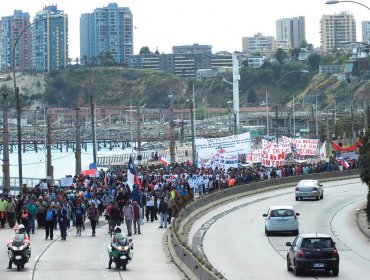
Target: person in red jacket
136	218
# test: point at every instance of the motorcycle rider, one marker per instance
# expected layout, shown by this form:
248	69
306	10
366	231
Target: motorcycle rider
20	230
117	229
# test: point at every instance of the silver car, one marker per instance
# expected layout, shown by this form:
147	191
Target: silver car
309	189
281	219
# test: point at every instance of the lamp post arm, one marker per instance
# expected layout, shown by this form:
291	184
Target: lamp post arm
348	1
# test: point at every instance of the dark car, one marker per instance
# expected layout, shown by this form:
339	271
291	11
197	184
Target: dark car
313	252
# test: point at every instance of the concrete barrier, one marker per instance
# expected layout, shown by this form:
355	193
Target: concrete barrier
194	266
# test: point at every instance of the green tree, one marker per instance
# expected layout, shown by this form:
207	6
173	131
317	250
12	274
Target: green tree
280	55
314	61
145	50
294	53
364	163
108	59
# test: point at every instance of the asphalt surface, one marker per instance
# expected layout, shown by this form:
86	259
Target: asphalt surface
86	257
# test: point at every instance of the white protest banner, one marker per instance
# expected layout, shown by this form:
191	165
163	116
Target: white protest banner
254	156
223	161
287	140
307	147
208	147
273	160
66	182
323	151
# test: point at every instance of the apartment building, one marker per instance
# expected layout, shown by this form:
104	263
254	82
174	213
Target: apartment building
291	30
366	32
337	30
109	28
11	28
258	43
50	40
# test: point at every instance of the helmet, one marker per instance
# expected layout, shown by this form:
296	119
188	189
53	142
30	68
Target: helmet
21	228
117	229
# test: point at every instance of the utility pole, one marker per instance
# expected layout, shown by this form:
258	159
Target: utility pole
316	121
193	152
49	167
352	126
19	135
92	106
313	123
172	131
139	156
235	124
6	176
276	126
78	141
289	125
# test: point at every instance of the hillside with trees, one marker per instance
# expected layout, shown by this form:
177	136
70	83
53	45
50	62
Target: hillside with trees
112	85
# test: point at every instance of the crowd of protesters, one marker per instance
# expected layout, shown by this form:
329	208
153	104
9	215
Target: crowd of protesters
162	191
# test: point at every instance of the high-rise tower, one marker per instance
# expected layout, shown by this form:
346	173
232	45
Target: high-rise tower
107	26
11	28
337	30
50	39
291	31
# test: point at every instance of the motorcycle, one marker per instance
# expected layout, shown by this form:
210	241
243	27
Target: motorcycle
19	250
120	250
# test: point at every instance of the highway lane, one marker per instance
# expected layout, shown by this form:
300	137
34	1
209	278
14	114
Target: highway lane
234	241
86	257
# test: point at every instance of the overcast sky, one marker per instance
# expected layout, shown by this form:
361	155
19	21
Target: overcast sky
162	24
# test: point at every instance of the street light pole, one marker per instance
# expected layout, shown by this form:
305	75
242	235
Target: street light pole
17	98
172	131
293	113
6	176
92	102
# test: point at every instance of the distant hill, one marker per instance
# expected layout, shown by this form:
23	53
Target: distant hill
113	86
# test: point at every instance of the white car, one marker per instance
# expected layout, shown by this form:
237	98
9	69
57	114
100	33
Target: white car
281	219
309	189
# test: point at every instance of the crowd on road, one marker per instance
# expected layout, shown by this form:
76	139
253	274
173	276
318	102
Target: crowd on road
161	193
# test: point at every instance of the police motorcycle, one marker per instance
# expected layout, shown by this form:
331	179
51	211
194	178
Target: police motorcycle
19	248
120	249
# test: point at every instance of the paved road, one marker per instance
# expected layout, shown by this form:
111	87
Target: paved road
85	257
237	230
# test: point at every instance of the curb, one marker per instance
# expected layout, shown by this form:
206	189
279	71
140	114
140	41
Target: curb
362	222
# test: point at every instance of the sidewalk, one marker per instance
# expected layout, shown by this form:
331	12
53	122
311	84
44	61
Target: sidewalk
362	222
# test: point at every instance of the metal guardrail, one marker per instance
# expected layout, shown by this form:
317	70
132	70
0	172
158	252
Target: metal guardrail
193	266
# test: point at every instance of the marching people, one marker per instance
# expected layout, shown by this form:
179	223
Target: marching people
24	217
40	213
128	214
50	216
162	210
136	217
11	211
79	212
63	222
3	205
170	202
150	211
142	202
93	216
